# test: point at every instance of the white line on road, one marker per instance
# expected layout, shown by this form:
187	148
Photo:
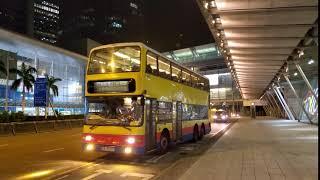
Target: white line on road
62	177
51	150
98	172
144	176
3	145
158	158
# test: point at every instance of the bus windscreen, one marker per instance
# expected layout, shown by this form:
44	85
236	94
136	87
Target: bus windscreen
115	60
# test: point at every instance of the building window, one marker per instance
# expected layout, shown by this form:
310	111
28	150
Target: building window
134	5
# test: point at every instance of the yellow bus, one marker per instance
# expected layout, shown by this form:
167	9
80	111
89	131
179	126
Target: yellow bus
138	101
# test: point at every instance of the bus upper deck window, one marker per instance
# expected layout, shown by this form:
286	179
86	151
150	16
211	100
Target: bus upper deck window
151	63
164	68
185	77
176	73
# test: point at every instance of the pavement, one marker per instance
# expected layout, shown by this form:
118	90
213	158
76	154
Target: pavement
58	155
260	149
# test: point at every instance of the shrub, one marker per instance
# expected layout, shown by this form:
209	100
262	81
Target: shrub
4	117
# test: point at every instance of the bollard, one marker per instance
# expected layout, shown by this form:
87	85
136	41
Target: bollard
35	126
13	130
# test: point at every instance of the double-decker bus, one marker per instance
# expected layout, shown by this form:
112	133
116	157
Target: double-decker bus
139	101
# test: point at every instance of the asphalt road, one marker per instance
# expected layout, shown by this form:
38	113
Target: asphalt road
58	155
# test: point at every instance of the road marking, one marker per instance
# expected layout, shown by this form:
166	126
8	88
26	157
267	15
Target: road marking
3	145
144	176
98	173
156	159
58	149
62	177
75	168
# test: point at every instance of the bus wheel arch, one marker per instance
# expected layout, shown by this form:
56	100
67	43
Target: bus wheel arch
164	141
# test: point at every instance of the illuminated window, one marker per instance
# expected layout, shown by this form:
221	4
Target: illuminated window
164	68
176	73
134	5
185	77
151	63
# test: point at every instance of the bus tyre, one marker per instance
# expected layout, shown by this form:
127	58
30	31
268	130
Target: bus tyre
202	132
164	143
195	134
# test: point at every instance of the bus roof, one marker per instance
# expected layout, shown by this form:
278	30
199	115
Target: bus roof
150	49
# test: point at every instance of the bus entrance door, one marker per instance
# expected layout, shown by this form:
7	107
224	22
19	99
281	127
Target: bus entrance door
178	124
150	135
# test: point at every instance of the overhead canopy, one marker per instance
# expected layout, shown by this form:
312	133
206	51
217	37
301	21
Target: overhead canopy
257	36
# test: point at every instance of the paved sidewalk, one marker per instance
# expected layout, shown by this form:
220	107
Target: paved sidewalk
260	150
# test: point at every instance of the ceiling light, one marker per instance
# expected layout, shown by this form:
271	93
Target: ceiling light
295	74
301	53
311	61
218	20
213	4
206	5
213	21
228	63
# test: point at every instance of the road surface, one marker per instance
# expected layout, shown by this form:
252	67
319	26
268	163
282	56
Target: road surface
58	155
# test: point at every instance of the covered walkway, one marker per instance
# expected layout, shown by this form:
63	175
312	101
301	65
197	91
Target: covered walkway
261	149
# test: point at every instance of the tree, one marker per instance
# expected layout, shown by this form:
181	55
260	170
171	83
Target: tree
25	78
51	86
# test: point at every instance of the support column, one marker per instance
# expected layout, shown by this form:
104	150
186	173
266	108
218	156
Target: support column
306	81
285	99
7	82
284	103
276	114
281	113
283	106
298	99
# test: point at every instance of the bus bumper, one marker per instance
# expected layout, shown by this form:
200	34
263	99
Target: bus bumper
90	147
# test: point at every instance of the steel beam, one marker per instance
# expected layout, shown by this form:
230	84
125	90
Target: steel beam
298	99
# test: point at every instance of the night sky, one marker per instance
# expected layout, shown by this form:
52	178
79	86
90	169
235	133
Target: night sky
170	24
169	19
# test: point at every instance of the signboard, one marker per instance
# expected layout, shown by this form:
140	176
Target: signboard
111	86
40	92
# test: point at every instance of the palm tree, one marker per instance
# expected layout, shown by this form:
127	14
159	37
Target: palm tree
25	78
53	87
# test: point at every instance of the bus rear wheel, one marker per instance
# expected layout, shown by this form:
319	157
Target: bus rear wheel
195	134
164	143
202	132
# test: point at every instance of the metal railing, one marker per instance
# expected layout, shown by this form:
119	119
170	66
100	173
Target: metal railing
14	128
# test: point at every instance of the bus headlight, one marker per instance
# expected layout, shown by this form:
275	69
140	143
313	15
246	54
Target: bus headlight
90	147
127	150
223	117
215	116
131	140
88	138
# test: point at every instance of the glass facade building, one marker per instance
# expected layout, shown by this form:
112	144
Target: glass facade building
70	67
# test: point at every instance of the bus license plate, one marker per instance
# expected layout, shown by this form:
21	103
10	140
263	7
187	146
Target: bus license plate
108	148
